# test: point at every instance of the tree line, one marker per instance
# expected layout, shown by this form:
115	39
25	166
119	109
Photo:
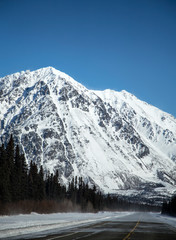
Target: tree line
24	189
169	207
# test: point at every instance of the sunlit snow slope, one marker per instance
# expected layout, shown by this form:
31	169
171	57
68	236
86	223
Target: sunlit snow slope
110	138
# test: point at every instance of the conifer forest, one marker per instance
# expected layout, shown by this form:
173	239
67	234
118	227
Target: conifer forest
169	207
25	189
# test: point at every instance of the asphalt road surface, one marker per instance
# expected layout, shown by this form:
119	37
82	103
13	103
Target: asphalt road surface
137	226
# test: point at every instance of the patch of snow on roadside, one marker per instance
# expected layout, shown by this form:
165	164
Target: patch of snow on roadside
11	227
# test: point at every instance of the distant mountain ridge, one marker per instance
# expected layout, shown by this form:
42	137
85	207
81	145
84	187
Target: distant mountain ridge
123	145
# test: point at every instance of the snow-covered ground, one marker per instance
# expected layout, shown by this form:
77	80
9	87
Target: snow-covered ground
168	220
25	226
35	225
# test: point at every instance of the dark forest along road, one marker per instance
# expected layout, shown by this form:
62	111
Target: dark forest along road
136	226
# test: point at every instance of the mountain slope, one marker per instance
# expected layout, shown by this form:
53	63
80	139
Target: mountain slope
110	138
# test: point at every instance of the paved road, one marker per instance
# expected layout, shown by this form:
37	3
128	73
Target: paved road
138	226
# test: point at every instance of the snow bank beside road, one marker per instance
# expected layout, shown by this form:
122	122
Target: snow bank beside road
168	220
31	225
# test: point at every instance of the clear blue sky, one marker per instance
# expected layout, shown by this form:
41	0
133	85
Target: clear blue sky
114	44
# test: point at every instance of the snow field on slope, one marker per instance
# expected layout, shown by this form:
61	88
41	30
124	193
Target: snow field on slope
153	114
159	120
97	151
116	99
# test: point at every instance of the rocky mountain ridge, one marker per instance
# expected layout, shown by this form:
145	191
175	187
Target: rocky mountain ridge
123	145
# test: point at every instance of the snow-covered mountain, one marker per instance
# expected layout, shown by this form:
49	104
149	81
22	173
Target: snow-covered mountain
112	139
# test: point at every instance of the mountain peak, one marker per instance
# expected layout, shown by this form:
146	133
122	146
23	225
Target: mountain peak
50	69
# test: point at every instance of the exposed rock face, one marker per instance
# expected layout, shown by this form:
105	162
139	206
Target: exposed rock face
111	138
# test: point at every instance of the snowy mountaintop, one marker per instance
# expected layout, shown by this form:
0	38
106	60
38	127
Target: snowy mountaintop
111	138
29	78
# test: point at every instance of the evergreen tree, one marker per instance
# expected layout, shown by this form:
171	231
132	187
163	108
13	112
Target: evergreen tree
55	186
41	184
173	206
24	178
10	166
5	195
17	176
169	207
33	182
